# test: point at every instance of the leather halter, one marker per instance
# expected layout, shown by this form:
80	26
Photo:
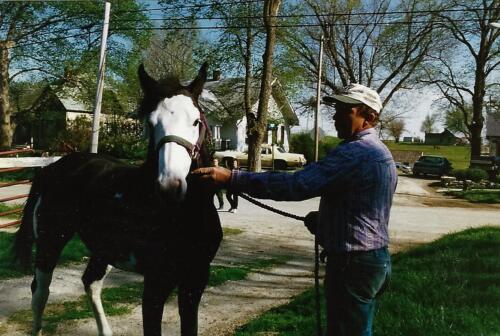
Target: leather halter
192	149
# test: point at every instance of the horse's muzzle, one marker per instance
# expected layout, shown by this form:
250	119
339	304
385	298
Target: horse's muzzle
173	189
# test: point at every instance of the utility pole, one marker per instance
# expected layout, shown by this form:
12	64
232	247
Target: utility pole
318	100
100	81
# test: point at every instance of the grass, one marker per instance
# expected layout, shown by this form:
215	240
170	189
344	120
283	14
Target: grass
227	231
448	287
478	195
459	156
74	251
121	300
4	207
24	174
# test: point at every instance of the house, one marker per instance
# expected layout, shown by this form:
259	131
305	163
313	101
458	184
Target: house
493	133
443	138
60	103
223	102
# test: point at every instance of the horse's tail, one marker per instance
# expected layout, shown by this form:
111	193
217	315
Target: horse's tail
25	237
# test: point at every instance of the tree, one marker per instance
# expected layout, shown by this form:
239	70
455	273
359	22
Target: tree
456	120
395	128
429	123
365	43
42	39
257	124
170	53
465	76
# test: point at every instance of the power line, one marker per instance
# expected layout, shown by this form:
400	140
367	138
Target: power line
192	6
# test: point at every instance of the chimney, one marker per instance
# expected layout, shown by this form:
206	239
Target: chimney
216	75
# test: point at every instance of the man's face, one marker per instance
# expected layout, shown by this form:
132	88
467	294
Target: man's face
348	119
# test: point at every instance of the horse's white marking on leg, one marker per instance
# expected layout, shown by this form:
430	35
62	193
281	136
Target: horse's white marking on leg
39	299
35	217
94	294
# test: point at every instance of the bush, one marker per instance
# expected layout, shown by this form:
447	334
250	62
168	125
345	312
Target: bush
476	174
304	143
118	137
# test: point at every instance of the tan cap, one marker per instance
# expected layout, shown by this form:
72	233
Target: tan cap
356	94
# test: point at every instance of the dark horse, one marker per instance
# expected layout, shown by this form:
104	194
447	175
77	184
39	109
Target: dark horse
146	219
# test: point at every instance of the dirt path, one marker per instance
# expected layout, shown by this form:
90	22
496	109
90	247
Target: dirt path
415	218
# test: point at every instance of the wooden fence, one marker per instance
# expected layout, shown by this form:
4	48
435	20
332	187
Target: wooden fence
8	163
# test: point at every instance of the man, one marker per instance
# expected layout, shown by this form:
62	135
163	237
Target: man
232	197
356	182
218	192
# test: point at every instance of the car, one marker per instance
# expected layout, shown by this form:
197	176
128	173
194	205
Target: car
404	167
432	165
282	159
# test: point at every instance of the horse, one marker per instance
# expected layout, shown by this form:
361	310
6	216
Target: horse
151	219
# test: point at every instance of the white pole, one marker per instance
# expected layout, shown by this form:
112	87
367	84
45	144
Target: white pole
318	101
100	81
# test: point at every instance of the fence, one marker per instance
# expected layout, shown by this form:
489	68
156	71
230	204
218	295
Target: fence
12	164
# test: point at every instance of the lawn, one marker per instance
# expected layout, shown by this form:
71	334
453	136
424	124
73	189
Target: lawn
478	195
448	287
459	156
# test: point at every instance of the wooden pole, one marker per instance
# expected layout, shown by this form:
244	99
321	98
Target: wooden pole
100	81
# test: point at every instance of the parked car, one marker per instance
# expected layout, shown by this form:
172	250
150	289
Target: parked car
282	159
432	165
404	167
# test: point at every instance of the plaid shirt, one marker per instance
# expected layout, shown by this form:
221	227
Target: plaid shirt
356	182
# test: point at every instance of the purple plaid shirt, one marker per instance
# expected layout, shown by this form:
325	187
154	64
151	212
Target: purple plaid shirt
356	182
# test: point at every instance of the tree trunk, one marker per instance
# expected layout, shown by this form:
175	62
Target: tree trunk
258	126
477	105
5	110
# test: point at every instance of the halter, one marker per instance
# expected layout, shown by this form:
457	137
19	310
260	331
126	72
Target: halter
192	149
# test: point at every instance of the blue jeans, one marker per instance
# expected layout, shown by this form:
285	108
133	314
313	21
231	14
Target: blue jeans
353	281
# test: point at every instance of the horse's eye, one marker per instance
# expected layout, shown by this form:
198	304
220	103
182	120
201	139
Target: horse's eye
196	122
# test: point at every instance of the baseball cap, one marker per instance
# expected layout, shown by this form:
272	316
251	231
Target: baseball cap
356	94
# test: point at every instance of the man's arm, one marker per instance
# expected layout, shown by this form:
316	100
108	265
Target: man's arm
309	182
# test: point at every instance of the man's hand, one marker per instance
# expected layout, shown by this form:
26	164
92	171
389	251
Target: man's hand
217	176
311	221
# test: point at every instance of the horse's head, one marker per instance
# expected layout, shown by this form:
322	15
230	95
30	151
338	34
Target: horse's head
176	127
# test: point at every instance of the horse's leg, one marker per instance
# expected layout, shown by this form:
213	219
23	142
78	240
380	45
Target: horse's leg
48	250
190	292
92	279
156	292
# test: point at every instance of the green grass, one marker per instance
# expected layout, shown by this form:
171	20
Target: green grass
4	207
478	195
25	174
459	156
121	300
227	231
448	287
74	251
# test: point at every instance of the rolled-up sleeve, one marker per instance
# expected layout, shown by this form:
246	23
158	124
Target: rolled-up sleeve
332	172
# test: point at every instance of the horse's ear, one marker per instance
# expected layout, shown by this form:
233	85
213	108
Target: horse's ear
148	84
196	85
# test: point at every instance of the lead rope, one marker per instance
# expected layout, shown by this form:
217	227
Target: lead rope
316	255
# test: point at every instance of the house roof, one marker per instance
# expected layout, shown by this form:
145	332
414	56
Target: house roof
70	97
225	99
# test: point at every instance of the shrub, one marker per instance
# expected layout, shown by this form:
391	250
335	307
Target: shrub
473	174
118	137
304	143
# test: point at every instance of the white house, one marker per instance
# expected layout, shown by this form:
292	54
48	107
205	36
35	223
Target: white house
223	102
493	132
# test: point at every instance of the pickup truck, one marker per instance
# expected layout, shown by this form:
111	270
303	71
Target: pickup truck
282	159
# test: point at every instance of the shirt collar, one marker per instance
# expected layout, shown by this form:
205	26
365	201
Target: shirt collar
367	131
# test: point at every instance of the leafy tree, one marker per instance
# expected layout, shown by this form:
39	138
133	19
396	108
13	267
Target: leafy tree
395	128
465	75
456	120
429	123
43	38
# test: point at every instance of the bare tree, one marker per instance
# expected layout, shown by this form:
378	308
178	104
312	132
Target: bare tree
464	76
367	44
395	128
